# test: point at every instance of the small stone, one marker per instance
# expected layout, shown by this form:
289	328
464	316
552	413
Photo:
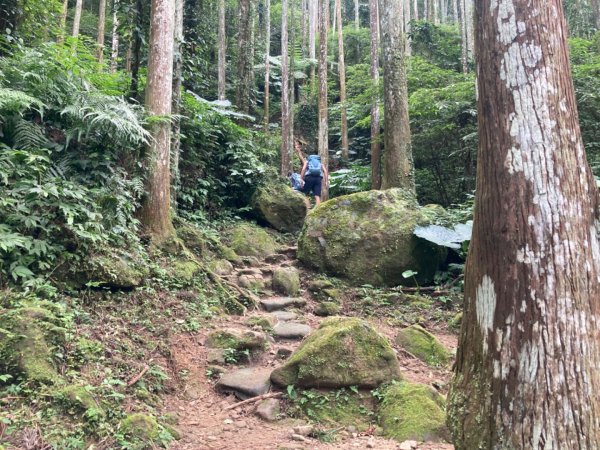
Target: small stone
268	409
291	330
212	438
284	316
371	444
351	429
283	353
303	430
215	356
241	424
299	437
279	303
354	435
228	421
408	445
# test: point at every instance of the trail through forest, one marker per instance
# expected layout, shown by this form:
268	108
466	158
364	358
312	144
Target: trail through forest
205	417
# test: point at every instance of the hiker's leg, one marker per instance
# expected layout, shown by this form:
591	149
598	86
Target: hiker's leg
307	201
317	200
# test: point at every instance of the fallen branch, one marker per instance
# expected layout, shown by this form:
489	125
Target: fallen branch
436	290
406	352
254	400
243	292
138	376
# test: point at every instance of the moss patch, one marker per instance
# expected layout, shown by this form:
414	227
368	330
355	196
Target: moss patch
236	339
249	240
78	398
286	281
265	322
423	345
342	352
140	426
413	412
184	269
327	309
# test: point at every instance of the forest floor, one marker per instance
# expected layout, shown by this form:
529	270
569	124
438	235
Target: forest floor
204	420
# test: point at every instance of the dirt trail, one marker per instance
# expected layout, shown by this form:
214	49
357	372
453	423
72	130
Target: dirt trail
205	423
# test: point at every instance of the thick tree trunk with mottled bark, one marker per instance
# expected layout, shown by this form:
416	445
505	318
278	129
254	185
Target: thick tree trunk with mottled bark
114	52
375	127
323	143
342	77
155	212
245	61
101	27
286	144
267	63
528	366
397	156
77	18
221	39
176	107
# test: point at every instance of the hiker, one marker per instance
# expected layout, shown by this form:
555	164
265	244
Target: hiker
314	174
296	180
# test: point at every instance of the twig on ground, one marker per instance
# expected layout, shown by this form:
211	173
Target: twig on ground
138	376
407	353
254	400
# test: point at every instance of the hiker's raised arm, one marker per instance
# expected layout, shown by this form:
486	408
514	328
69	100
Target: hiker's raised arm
305	163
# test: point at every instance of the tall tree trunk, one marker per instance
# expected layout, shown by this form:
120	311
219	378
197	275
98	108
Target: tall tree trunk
286	144
63	22
114	53
101	25
463	38
137	49
303	26
155	211
436	12
267	62
528	367
323	145
444	11
342	75
292	85
77	18
312	34
407	19
176	103
245	57
128	56
469	11
596	13
221	38
416	9
375	127
357	14
398	162
455	11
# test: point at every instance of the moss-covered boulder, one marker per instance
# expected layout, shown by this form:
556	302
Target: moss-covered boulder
342	352
236	339
246	239
140	426
412	411
184	269
286	281
423	345
30	335
221	267
368	238
325	309
79	399
280	206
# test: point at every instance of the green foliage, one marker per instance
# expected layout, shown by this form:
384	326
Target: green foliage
438	44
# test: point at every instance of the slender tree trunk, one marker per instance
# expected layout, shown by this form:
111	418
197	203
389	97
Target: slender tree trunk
137	49
63	22
455	11
101	25
342	75
426	11
114	53
596	13
221	38
463	38
416	9
469	11
286	144
128	57
357	14
155	212
444	11
292	85
375	127
398	162
267	62
407	19
323	144
312	32
77	18
176	104
245	57
528	367
436	12
303	25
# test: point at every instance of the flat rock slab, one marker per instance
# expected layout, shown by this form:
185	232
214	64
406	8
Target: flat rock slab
246	383
284	316
279	303
291	330
268	409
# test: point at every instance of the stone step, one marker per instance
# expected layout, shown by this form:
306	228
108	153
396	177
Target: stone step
291	330
284	316
246	383
279	303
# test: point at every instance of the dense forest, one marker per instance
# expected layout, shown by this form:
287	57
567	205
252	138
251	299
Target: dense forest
433	284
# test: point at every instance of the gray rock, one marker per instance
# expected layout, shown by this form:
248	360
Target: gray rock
286	280
283	353
246	383
268	409
252	282
291	330
284	316
221	267
215	356
304	430
279	303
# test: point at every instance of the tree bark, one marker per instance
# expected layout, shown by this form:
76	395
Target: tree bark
375	127
286	144
63	22
176	102
323	142
342	76
77	18
114	53
408	42
357	14
267	63
155	211
469	10
221	38
528	366
436	12
137	49
245	57
303	23
398	162
101	26
463	38
416	9
455	11
292	84
312	34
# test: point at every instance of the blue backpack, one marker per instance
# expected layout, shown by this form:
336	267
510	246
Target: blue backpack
296	181
314	166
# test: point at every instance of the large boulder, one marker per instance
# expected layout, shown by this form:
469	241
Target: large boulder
368	238
342	352
280	206
411	411
249	240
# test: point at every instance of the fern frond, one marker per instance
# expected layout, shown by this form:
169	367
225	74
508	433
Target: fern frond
17	101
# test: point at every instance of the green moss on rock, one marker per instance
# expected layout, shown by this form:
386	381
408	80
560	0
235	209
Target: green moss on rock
184	269
249	240
221	266
265	322
140	426
456	321
423	345
78	397
368	238
327	309
286	281
280	206
236	339
413	412
342	352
